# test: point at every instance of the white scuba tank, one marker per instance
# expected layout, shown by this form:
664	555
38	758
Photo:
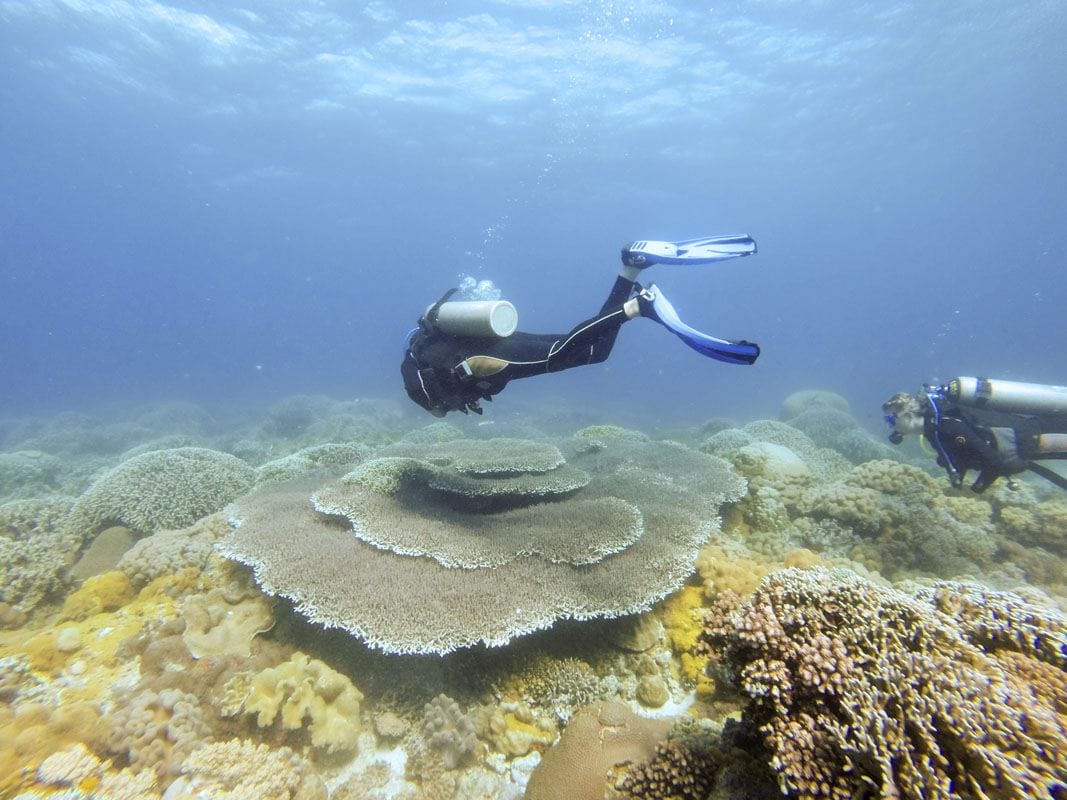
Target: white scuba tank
1009	396
489	318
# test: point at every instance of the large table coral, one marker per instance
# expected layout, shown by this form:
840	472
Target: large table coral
863	691
406	554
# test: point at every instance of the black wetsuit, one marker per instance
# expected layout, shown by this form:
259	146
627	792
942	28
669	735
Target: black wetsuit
444	373
996	444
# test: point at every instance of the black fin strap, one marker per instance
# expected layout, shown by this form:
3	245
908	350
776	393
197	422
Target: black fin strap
1047	474
429	322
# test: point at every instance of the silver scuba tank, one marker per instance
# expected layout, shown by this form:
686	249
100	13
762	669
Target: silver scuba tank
487	318
1009	396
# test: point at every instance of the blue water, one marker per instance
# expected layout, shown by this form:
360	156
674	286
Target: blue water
232	204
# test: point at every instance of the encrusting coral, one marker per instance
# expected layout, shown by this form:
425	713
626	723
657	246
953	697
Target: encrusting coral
432	607
862	690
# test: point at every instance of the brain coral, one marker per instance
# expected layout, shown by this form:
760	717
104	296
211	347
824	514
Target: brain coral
861	691
164	489
413	604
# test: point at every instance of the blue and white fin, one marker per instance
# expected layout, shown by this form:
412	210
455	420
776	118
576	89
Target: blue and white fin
705	250
656	306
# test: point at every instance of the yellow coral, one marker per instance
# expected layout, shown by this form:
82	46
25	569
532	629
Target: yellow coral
301	688
100	593
802	558
722	571
681	616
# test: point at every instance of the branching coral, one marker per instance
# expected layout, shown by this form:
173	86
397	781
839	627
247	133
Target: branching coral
164	489
862	690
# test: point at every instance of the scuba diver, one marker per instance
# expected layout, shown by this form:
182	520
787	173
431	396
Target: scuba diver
464	352
999	428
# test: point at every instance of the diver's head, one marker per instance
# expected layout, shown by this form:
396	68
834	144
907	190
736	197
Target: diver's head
905	414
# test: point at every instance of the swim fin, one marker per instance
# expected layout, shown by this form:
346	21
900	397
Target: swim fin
705	250
656	306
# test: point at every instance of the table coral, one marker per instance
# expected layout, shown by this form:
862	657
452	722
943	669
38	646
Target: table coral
433	607
860	689
405	520
302	693
321	456
163	489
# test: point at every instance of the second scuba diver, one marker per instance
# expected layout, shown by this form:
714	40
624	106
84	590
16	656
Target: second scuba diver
999	428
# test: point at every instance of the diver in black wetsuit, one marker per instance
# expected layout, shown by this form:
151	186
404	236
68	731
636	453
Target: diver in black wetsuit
999	428
446	371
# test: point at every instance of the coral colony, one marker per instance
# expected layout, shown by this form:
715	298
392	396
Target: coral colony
330	600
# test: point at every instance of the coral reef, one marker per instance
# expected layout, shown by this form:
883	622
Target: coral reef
862	690
310	558
163	489
27	474
906	513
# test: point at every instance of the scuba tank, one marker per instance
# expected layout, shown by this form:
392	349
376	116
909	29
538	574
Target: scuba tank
483	318
1007	396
